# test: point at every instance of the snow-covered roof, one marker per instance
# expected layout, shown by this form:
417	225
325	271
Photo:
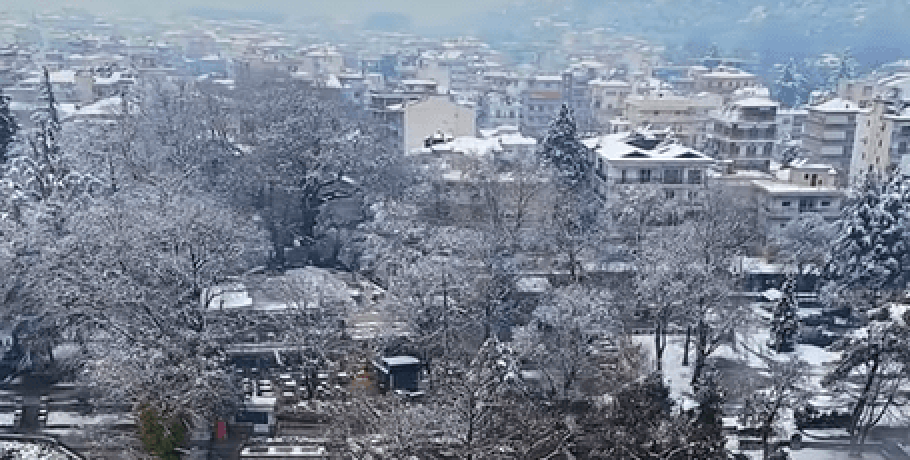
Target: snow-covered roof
836	105
418	82
756	102
400	361
775	187
623	146
533	284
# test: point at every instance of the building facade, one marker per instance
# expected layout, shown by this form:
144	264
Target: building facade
830	133
745	132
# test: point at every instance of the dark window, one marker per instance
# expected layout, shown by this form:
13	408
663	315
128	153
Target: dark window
785	203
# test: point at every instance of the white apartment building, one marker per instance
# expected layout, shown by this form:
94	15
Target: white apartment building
541	102
808	188
883	139
608	99
686	116
830	132
722	80
745	131
647	158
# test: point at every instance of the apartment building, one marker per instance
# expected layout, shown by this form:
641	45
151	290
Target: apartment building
808	188
830	132
648	158
723	80
883	137
685	116
541	102
608	98
745	132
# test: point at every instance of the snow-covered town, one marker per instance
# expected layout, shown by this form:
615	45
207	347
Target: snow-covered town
501	229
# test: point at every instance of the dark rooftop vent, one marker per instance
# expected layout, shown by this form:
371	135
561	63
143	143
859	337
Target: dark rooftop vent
644	143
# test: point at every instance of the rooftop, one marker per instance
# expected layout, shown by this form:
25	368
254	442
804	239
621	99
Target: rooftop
836	105
644	146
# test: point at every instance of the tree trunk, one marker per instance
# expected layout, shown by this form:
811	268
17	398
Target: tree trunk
658	346
686	345
701	345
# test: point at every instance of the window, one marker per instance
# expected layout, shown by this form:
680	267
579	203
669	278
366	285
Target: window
826	204
622	177
670	194
644	176
785	203
694	176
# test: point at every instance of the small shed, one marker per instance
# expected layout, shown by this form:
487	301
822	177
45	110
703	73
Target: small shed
398	372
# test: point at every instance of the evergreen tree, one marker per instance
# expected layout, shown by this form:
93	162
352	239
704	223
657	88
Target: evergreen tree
8	127
870	254
784	322
563	149
706	436
791	86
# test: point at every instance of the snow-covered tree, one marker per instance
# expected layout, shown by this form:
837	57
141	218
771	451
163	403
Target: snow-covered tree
310	152
640	421
791	88
563	337
873	368
563	149
574	227
765	405
785	319
705	436
660	284
869	255
8	127
805	242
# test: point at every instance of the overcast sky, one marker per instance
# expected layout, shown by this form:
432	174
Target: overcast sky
423	11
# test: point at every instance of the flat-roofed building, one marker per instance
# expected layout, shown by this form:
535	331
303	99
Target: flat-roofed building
830	132
745	131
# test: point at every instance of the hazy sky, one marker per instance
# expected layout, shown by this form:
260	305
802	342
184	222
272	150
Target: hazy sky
424	11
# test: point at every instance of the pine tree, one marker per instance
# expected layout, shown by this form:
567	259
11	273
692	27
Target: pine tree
8	127
791	86
784	322
706	437
870	254
563	149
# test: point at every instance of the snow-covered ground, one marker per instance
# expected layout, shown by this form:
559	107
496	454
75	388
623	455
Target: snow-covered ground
22	450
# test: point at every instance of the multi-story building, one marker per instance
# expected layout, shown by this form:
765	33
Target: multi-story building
498	109
830	131
649	158
608	98
432	115
723	80
791	123
541	103
883	137
808	188
745	132
685	116
864	91
576	92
